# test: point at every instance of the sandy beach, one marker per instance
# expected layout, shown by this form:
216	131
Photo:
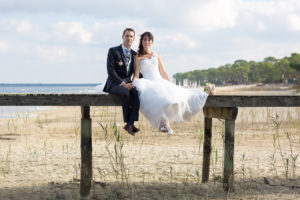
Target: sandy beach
40	155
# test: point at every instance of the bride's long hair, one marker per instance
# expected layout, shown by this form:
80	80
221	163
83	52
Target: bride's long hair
141	50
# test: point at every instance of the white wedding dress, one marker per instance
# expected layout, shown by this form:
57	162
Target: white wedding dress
164	101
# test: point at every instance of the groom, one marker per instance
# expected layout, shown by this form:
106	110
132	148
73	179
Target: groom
120	67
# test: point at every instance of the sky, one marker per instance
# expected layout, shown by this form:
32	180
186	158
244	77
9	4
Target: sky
66	41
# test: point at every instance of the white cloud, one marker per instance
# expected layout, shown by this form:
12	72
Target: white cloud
294	22
213	15
54	53
65	30
15	48
4	46
110	32
114	25
22	26
261	7
250	48
193	34
177	40
270	8
261	26
100	57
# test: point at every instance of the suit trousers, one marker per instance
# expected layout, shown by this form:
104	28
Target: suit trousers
130	102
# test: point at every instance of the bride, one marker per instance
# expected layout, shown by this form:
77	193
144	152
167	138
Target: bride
161	101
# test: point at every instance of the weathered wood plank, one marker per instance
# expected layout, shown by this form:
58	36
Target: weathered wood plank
59	100
112	100
220	113
252	101
206	149
86	152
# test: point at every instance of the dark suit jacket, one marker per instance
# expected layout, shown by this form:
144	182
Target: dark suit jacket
116	67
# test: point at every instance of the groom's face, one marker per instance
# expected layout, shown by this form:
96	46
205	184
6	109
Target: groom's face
128	38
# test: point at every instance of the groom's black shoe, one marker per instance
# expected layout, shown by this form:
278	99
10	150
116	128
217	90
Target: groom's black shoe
135	129
129	129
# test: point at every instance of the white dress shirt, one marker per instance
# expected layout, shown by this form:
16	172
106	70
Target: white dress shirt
124	52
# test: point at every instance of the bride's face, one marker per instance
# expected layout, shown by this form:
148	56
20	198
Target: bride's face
147	43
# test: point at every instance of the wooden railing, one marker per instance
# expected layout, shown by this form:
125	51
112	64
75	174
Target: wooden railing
218	106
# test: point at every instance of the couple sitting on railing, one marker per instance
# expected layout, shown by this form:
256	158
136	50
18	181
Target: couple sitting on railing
160	100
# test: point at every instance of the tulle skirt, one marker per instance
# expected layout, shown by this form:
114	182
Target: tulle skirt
161	100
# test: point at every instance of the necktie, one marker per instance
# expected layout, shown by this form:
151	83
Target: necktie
128	57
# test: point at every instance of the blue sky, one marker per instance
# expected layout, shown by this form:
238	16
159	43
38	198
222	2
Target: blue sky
66	41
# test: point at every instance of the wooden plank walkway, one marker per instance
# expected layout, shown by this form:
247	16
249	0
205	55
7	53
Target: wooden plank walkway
218	106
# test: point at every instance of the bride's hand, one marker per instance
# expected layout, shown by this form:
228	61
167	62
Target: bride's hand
129	86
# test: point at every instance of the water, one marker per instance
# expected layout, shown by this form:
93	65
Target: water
13	111
48	88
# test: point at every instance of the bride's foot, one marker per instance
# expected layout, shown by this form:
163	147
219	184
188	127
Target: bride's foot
162	127
169	130
165	127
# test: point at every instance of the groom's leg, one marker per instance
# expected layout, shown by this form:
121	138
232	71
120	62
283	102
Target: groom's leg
134	105
125	95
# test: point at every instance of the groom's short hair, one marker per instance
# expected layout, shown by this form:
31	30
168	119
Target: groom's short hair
128	29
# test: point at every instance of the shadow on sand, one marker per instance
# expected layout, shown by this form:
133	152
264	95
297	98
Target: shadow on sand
270	188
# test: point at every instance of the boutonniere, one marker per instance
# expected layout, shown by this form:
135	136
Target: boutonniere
120	63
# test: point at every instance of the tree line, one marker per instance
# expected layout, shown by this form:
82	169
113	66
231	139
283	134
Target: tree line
270	70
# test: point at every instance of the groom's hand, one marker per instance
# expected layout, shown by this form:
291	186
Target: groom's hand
128	86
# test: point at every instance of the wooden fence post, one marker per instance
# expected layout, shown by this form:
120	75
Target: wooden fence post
229	114
206	149
86	153
228	173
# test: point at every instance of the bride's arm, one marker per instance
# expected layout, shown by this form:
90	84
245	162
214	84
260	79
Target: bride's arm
162	69
136	68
